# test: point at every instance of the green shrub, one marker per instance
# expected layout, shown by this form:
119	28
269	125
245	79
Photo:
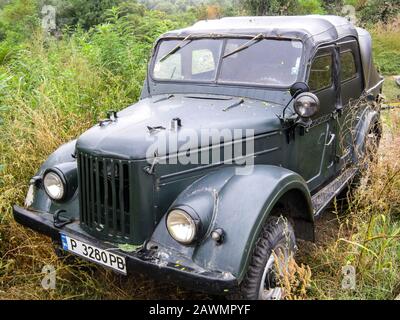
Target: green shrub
374	11
310	7
283	7
386	43
18	20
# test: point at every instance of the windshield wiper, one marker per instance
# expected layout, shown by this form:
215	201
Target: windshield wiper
179	46
248	44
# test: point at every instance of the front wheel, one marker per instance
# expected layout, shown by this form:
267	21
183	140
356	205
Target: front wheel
272	253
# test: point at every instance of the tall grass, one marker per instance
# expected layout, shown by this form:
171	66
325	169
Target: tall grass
362	230
50	92
387	46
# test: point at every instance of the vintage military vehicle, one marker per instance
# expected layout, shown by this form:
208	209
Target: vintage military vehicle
304	95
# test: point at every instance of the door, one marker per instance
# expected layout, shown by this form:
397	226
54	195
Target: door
351	87
316	147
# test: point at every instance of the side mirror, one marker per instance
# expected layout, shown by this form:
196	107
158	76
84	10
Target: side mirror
306	105
298	88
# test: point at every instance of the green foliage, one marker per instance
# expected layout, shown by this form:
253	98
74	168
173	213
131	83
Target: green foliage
18	20
81	12
283	7
266	7
52	90
309	7
197	7
373	11
386	48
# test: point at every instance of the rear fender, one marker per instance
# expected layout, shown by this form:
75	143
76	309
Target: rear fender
369	120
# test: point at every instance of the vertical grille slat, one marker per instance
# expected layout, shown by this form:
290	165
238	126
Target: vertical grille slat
87	188
130	178
121	198
83	191
80	185
105	196
98	194
114	198
105	204
92	190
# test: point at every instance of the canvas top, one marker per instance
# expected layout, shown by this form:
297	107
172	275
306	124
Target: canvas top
313	29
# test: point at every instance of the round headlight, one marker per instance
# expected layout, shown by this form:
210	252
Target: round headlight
181	226
306	104
54	185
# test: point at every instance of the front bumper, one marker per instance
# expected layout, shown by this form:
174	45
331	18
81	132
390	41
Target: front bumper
159	263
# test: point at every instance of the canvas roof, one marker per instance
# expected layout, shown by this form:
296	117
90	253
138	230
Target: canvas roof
312	28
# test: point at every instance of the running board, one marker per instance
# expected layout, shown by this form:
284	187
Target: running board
322	198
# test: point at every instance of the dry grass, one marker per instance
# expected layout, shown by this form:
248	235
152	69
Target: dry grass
295	279
362	232
386	43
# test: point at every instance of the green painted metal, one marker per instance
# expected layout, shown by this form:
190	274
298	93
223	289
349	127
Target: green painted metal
239	204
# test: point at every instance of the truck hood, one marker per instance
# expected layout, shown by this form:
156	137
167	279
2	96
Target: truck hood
141	126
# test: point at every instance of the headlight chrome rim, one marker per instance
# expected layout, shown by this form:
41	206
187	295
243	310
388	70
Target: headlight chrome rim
191	219
57	175
306	104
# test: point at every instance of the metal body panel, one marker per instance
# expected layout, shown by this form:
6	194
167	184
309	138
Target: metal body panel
371	76
157	263
129	137
215	199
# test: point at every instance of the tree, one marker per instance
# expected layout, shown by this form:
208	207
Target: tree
213	12
83	12
309	7
283	7
373	11
269	7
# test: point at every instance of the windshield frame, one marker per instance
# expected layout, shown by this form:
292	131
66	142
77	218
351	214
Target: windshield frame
216	80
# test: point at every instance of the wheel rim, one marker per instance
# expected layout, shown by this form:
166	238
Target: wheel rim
268	289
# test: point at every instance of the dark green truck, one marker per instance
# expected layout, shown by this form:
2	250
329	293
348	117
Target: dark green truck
245	131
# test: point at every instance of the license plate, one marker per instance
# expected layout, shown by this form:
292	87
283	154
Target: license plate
92	253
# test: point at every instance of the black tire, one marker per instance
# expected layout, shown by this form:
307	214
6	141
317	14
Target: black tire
370	155
276	236
372	143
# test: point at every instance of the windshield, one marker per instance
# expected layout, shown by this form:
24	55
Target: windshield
264	62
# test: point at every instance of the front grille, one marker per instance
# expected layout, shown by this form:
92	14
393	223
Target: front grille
105	196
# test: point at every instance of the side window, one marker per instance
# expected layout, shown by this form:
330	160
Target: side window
321	73
348	66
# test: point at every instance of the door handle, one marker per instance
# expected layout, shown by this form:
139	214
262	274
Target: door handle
331	139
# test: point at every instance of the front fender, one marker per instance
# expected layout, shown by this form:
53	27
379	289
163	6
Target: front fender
41	202
239	204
